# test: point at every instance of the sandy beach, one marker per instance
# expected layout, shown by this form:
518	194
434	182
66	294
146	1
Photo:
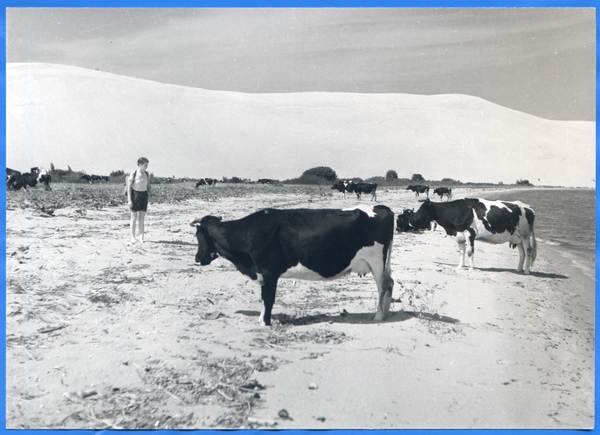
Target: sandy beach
105	334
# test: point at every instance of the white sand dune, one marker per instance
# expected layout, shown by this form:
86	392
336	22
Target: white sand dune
100	122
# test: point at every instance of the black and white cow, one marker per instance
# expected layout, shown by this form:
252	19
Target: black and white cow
473	219
13	178
360	188
341	186
267	181
403	221
303	244
206	182
37	177
419	188
443	191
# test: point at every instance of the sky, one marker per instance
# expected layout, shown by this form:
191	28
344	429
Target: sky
539	61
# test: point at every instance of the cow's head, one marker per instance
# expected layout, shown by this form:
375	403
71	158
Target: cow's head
207	250
403	220
421	220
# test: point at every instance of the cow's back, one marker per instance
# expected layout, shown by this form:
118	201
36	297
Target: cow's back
323	240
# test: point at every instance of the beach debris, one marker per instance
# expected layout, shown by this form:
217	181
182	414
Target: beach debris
284	415
313	386
214	315
313	355
88	393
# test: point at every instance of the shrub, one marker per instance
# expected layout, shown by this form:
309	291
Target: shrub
324	172
391	175
417	178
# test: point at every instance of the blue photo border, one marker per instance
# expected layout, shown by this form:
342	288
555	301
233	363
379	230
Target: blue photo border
264	3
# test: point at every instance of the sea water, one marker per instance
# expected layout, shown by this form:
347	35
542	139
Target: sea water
564	218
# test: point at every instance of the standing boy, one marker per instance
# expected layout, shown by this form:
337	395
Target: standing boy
138	191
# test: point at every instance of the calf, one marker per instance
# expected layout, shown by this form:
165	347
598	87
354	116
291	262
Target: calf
304	244
360	188
418	188
443	191
489	221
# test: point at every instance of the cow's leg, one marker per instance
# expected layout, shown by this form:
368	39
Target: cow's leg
471	250
525	254
385	286
461	240
268	290
382	273
521	257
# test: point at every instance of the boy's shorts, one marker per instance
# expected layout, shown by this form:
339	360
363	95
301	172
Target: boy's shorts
139	200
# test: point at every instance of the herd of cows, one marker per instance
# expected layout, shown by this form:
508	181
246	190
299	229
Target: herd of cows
326	244
350	186
39	177
36	177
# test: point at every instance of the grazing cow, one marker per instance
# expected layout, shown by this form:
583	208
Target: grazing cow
207	182
268	181
13	178
418	188
341	186
360	188
303	244
489	221
16	180
403	221
443	191
44	179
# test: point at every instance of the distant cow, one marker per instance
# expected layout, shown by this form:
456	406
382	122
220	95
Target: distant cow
419	188
267	181
341	186
93	178
489	221
360	188
12	179
443	191
206	182
303	244
16	180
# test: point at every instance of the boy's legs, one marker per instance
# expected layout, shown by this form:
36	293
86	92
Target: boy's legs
134	216
141	225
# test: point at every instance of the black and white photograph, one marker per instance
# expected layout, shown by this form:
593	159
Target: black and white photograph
279	218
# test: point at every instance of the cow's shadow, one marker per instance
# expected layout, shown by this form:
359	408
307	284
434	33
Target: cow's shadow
505	270
175	242
354	318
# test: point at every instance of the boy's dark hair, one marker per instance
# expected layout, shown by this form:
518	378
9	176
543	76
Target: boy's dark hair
143	160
